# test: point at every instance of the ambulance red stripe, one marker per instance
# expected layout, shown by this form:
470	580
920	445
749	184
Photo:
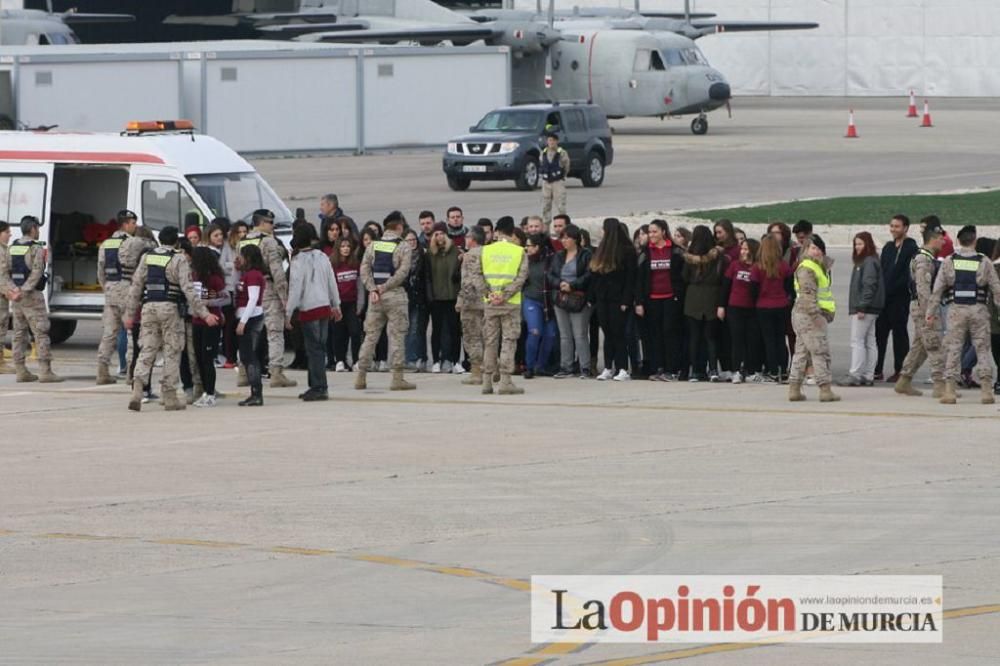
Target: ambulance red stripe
81	156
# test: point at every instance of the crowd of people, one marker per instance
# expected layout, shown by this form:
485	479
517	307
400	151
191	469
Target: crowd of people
703	304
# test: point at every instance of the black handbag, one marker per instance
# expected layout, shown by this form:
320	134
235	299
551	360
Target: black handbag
571	301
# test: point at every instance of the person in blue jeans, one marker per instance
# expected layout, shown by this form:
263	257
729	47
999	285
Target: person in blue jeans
122	345
538	318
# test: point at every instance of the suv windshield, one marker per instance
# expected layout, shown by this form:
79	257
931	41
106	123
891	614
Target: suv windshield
238	195
510	121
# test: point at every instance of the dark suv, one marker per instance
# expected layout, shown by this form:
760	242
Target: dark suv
507	142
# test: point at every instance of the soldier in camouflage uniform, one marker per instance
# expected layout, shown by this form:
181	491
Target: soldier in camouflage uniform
26	272
162	285
4	306
275	295
502	276
814	309
384	269
470	304
114	281
926	339
966	281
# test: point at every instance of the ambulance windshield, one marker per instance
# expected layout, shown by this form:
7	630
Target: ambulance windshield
238	195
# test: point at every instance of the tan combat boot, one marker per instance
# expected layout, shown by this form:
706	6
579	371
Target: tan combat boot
135	404
826	394
938	391
5	369
23	375
47	376
475	376
507	386
904	386
171	403
795	393
487	383
103	376
279	380
241	376
949	397
987	393
360	378
400	384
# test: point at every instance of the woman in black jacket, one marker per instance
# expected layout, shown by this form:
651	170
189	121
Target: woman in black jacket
659	301
569	282
613	270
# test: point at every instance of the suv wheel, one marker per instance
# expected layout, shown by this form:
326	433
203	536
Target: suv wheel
593	173
459	183
528	179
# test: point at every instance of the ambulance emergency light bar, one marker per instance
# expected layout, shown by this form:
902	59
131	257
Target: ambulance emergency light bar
142	126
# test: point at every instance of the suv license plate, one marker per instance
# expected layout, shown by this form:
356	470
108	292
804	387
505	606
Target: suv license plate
474	168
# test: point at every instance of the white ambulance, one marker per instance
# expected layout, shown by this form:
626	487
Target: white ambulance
162	170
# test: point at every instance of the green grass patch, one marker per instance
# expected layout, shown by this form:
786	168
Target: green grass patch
955	210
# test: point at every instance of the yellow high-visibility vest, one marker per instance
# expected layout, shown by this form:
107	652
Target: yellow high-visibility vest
501	262
824	294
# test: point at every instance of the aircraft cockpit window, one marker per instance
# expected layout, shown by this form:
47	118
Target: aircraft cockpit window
44	40
673	58
694	57
61	38
656	62
641	60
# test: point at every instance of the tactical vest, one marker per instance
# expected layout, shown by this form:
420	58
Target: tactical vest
824	294
255	239
158	288
552	171
913	280
965	291
382	266
501	262
20	269
112	262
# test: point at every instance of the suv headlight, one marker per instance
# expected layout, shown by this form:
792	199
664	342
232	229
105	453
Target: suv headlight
508	147
453	148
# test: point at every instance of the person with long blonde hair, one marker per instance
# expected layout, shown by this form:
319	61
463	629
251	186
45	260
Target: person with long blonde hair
771	280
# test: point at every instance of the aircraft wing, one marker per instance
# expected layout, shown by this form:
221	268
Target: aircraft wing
708	27
458	34
77	18
234	20
678	15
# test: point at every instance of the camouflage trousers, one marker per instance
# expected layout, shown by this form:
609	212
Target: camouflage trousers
501	327
472	334
810	343
4	318
274	321
553	196
391	313
162	328
926	344
111	320
974	321
30	315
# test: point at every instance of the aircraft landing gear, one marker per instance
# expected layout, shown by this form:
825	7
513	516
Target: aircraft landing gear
699	125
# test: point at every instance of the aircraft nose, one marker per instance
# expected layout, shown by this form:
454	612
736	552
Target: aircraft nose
720	92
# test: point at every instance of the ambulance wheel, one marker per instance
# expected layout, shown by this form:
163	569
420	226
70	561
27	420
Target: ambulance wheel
458	183
61	330
699	126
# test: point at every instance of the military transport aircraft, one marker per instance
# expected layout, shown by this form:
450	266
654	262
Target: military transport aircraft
629	62
20	27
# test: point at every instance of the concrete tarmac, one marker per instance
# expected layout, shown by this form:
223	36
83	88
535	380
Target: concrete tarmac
388	528
771	149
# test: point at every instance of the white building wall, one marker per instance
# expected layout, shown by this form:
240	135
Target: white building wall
862	47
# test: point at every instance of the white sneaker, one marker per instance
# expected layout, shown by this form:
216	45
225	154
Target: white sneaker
446	367
726	376
421	366
712	377
383	366
622	376
340	367
436	368
737	378
810	381
605	375
205	400
457	369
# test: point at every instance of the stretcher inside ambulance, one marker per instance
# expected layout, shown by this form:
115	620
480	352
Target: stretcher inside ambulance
76	183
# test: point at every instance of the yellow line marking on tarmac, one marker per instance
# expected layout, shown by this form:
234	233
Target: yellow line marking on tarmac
78	537
294	550
198	542
687	653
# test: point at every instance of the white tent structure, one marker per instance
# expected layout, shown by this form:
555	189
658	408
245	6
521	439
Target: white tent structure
945	48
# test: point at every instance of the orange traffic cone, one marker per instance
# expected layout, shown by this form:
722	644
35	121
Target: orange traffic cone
852	130
912	111
927	115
